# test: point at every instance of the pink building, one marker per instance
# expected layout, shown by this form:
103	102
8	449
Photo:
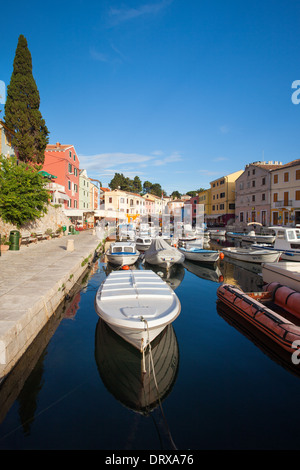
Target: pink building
193	202
62	161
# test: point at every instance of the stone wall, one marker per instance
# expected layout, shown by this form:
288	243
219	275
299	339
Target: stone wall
54	219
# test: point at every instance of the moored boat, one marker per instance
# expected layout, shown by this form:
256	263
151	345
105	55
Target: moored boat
281	328
251	255
143	243
161	253
137	305
287	242
195	253
122	253
251	236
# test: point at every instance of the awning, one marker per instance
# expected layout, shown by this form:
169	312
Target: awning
73	212
46	174
60	195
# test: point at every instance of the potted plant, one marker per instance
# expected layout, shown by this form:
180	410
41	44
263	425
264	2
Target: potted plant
48	233
60	232
4	244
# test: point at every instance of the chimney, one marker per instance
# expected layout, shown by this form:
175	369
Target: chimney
57	144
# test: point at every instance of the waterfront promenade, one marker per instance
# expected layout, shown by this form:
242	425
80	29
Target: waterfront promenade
33	282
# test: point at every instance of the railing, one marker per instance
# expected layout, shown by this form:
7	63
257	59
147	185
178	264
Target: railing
283	203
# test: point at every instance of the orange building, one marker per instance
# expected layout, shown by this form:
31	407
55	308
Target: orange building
62	161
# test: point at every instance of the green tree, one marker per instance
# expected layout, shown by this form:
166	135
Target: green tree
146	187
22	114
118	182
23	197
137	185
175	195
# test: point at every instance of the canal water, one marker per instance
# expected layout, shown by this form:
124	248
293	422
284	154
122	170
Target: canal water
222	386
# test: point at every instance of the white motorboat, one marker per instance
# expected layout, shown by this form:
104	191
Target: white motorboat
196	253
286	273
251	236
161	253
252	255
137	305
122	253
143	243
287	242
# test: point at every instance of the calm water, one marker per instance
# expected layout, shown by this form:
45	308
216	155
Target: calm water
222	386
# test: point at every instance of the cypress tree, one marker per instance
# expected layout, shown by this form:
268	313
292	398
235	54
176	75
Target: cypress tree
22	114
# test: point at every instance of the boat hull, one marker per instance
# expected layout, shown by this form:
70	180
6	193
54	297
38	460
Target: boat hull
286	273
255	256
122	259
165	258
204	256
276	327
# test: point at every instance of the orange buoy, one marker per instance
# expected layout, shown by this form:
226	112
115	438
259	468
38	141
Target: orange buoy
125	267
221	255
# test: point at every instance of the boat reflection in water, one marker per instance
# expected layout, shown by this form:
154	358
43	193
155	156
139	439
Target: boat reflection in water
248	276
259	339
120	368
172	276
205	271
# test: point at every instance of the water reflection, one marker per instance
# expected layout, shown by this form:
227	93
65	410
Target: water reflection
247	276
205	271
265	344
120	368
173	276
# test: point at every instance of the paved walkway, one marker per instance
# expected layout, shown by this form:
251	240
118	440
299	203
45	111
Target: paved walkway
31	282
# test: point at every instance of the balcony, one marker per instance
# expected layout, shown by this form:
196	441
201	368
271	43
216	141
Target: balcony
284	203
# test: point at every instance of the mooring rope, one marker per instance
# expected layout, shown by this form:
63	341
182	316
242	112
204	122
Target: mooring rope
155	382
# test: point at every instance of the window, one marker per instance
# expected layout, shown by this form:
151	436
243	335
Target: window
110	199
285	177
70	167
275	197
232	206
253	172
213	208
253	184
297	195
221	206
75	204
69	185
253	198
74	158
263	197
70	154
75	171
275	180
297	174
263	181
222	195
241	216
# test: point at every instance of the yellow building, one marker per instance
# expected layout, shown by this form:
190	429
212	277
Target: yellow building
204	198
222	194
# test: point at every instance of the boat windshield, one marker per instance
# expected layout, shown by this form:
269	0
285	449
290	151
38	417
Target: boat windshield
122	249
291	235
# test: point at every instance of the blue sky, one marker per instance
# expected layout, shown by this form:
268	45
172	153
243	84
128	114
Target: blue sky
178	92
